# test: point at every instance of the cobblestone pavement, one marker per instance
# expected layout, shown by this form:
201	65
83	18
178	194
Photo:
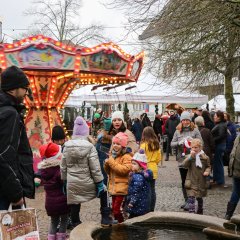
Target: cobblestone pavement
169	198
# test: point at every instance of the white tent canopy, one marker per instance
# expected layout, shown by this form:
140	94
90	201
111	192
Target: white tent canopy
219	103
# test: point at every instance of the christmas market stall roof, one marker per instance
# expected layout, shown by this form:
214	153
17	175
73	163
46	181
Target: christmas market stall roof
146	90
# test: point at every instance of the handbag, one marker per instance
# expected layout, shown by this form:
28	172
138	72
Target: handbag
19	224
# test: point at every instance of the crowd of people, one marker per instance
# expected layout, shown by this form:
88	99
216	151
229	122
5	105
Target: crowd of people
118	163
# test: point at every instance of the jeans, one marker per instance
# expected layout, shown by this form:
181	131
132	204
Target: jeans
235	191
169	149
55	220
152	195
218	168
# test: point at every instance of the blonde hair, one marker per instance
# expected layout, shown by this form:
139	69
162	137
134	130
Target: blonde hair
197	141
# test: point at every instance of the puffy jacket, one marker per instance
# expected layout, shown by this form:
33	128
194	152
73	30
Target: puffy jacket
81	168
139	193
16	161
153	158
234	163
118	170
56	201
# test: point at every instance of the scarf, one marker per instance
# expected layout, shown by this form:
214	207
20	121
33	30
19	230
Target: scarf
198	160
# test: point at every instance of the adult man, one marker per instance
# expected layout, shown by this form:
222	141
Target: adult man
16	161
170	127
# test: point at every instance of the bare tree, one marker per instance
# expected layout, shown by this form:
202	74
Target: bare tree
189	43
56	18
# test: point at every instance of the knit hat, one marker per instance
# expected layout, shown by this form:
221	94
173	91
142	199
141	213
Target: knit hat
107	122
118	114
80	127
97	115
58	133
13	78
50	151
141	159
121	138
185	116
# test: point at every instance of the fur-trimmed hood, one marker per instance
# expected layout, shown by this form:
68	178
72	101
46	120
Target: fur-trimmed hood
49	163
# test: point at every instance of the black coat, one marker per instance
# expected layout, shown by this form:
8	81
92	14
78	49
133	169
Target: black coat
16	161
219	133
171	125
157	126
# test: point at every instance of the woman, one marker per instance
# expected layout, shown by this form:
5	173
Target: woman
185	132
137	129
219	133
80	169
234	171
119	126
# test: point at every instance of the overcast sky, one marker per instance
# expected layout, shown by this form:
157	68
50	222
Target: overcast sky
92	11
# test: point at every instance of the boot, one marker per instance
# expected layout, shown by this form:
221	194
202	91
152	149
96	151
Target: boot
107	218
51	237
230	210
61	236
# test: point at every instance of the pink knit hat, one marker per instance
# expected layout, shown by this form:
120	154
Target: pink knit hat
141	159
121	138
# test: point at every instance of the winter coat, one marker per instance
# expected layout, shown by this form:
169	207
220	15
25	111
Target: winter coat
139	193
208	142
56	201
231	135
182	133
196	184
157	126
118	170
209	124
234	163
219	133
153	158
81	168
137	130
16	162
131	141
171	125
164	119
146	121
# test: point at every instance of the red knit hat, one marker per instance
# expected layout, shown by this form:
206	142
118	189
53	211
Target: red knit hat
50	151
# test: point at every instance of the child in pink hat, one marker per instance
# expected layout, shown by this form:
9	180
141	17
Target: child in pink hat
137	201
118	167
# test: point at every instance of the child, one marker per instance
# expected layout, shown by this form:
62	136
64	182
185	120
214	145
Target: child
118	167
138	200
199	168
56	201
150	145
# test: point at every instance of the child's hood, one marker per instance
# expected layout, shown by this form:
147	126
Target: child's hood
49	163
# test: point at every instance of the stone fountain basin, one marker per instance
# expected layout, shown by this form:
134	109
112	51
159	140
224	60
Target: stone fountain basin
86	230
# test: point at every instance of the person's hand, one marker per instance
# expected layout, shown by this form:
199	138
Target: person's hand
130	205
181	142
18	203
193	154
101	188
205	174
37	182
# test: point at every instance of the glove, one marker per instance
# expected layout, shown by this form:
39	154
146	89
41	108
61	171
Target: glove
37	182
101	188
64	189
181	142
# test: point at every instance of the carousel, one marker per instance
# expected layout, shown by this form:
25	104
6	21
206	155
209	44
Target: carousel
54	69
